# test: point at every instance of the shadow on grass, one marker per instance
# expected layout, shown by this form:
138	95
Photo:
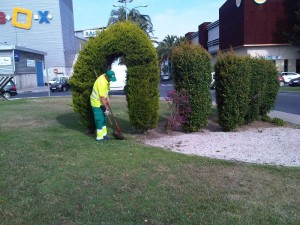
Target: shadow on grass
71	121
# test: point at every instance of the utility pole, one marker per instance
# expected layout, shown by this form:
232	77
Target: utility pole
125	2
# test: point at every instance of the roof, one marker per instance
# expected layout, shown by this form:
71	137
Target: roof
17	47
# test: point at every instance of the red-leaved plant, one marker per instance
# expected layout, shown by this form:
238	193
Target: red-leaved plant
178	102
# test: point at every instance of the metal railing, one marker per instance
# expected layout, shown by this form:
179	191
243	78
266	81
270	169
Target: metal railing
4	80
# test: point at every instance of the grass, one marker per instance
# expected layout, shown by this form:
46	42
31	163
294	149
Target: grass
51	172
288	88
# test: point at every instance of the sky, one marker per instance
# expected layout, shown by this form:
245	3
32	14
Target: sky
169	17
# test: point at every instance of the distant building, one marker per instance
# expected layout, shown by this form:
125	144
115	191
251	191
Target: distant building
40	26
88	33
251	27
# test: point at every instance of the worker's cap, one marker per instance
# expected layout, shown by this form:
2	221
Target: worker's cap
111	75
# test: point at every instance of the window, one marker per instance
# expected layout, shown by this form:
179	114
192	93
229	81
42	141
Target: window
286	65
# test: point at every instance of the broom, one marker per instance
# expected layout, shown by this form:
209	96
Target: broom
117	133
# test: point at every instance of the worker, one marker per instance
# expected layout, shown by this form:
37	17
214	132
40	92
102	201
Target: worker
100	103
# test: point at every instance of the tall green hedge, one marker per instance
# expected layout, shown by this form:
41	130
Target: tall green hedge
232	89
246	89
129	41
192	73
271	87
264	88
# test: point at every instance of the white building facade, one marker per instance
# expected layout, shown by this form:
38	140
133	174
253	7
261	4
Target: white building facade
46	26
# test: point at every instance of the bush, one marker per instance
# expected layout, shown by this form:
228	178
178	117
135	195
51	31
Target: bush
192	73
264	88
232	89
277	121
179	106
257	88
125	40
271	87
246	89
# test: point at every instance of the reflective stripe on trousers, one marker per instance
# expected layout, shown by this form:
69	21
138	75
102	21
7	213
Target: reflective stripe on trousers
100	122
101	133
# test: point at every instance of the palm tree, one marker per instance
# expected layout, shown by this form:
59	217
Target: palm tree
165	48
164	51
134	15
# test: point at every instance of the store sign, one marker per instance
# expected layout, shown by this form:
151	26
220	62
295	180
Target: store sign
90	33
260	1
30	63
273	57
239	2
5	61
41	16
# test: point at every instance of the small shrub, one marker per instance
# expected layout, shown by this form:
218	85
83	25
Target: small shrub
278	122
178	103
266	118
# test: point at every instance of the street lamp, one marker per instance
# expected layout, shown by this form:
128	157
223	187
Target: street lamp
124	1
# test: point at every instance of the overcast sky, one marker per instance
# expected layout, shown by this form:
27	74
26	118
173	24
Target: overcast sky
169	17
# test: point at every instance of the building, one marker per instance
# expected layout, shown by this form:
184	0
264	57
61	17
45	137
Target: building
252	27
26	63
45	27
89	33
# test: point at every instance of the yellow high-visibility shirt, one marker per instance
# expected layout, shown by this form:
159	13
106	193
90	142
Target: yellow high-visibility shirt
100	89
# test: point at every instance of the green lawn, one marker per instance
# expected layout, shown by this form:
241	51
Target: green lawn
51	172
288	88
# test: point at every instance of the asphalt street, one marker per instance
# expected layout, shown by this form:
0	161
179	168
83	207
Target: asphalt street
287	106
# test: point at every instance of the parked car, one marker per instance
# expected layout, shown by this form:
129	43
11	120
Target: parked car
294	82
60	84
287	76
9	90
54	79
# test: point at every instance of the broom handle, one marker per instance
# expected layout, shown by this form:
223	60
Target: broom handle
117	126
110	122
96	74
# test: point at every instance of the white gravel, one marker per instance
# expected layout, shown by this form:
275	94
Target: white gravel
275	146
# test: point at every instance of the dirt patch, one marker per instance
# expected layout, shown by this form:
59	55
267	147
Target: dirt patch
212	126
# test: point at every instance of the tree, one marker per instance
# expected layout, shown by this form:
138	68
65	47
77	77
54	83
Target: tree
292	34
134	15
165	48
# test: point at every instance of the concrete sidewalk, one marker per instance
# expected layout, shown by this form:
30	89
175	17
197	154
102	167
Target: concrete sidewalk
288	117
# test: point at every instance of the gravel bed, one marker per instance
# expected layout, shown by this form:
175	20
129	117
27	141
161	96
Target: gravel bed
274	146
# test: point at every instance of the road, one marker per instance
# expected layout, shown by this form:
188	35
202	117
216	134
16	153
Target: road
288	102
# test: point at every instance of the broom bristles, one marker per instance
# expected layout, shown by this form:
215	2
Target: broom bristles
118	135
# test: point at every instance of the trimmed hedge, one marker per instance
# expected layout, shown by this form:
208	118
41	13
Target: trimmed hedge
192	73
271	87
246	89
263	90
232	89
127	40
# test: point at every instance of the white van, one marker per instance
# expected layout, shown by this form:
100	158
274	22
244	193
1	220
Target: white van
121	73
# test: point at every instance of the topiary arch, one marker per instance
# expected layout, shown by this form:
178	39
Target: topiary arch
142	95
